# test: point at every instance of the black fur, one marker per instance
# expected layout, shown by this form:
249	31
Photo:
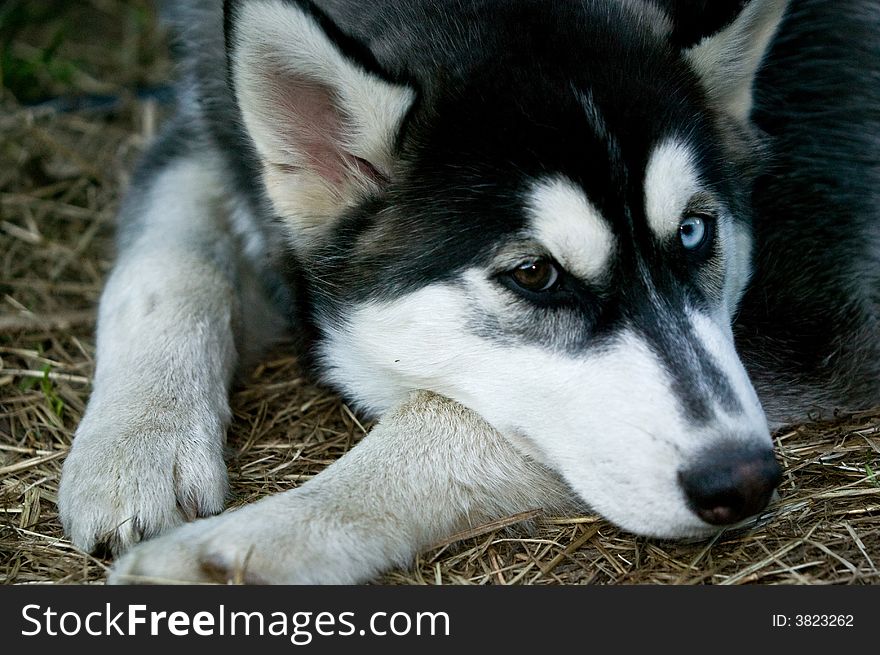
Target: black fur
808	328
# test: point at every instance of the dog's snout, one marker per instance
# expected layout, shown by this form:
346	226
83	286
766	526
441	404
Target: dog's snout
730	483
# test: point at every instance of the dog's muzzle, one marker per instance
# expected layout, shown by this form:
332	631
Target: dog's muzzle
731	482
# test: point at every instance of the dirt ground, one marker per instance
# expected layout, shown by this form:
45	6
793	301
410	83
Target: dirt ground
75	113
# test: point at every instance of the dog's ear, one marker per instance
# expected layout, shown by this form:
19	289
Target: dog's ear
725	42
322	114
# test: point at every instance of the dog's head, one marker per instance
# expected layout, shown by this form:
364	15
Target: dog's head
540	210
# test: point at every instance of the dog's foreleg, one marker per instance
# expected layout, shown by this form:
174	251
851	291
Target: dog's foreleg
429	469
148	453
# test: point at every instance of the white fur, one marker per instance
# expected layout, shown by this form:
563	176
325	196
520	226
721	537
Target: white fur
564	220
375	507
736	247
671	180
717	338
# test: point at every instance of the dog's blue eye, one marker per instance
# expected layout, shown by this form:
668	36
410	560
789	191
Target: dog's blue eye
694	232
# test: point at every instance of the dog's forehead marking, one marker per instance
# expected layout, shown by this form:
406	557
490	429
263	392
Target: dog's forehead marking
570	227
671	180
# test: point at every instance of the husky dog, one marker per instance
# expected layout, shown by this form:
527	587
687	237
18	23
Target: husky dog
569	252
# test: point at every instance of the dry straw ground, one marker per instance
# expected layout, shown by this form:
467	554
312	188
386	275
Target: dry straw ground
61	173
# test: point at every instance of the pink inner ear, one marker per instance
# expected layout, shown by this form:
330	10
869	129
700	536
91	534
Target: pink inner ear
309	122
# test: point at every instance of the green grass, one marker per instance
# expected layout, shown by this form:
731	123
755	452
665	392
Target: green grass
33	73
52	48
56	403
871	475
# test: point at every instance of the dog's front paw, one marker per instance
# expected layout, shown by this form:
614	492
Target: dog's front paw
244	546
125	481
290	538
203	552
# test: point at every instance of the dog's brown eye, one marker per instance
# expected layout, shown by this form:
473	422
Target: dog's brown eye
536	275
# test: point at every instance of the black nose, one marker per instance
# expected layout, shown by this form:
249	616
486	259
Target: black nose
730	483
